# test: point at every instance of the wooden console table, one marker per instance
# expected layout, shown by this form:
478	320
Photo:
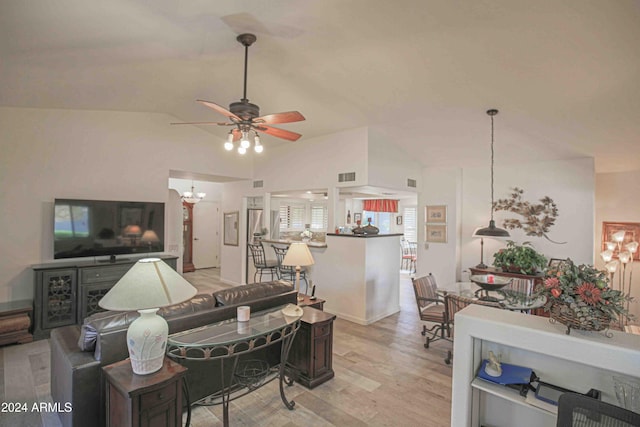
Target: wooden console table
15	321
144	400
226	341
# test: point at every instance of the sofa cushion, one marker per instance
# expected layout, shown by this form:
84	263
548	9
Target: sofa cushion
241	294
120	319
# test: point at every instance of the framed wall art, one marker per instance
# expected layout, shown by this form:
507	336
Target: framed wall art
631	234
436	214
231	228
399	220
357	216
436	233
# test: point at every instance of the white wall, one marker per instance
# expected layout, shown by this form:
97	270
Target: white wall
467	193
389	166
617	201
315	162
570	183
440	186
48	154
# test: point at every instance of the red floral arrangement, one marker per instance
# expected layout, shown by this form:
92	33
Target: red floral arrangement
584	294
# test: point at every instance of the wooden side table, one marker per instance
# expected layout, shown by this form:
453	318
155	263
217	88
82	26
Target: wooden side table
15	321
144	400
308	302
311	354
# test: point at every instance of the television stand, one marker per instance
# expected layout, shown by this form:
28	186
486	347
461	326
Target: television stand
67	292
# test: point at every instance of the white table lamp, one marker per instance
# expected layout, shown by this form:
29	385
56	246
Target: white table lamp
147	286
298	256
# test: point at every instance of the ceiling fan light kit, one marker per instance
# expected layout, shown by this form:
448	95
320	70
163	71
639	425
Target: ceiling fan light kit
245	115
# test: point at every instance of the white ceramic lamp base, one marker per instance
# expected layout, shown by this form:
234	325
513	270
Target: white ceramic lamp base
147	341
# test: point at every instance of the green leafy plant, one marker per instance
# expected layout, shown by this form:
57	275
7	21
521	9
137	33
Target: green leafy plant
522	259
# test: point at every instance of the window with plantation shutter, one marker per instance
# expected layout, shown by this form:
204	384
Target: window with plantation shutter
319	217
410	222
291	217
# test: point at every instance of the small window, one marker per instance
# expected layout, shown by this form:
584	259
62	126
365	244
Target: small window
291	217
410	222
319	217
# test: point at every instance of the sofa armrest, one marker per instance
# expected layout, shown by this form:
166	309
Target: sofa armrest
75	379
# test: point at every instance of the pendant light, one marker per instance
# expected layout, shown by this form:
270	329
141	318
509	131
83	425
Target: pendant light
491	230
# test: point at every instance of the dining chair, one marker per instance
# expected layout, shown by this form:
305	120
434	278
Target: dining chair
431	309
453	304
409	252
288	272
579	410
261	263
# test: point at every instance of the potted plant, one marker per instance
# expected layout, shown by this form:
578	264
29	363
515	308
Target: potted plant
522	259
579	297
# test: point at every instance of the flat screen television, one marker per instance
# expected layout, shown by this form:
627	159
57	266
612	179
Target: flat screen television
91	228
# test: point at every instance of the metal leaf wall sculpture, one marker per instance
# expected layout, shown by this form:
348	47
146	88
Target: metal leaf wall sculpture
537	218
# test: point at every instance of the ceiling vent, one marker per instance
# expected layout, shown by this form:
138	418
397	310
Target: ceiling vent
258	184
347	177
411	183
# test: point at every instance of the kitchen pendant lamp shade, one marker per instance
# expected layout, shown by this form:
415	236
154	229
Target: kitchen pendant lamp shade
148	285
491	230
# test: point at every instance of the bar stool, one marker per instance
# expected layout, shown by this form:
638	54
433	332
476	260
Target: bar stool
261	263
289	272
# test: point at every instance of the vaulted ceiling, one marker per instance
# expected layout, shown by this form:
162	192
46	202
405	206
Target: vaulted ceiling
565	74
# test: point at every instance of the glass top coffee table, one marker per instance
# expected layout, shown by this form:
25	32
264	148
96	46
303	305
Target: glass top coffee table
226	341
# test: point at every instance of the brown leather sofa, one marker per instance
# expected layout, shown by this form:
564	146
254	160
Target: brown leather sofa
78	353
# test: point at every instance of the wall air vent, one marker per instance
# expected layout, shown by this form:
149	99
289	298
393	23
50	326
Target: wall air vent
347	177
258	184
411	183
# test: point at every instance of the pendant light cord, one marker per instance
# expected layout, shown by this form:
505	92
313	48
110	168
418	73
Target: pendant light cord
491	167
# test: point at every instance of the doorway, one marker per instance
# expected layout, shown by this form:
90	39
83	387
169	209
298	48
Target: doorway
206	234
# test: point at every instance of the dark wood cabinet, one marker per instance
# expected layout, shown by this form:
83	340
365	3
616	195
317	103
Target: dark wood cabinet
311	352
144	400
65	293
187	237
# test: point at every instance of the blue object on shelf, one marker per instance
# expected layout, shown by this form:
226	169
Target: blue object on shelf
511	374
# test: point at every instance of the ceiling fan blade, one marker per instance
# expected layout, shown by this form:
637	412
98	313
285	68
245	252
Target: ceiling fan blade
279	133
286	117
219	109
205	123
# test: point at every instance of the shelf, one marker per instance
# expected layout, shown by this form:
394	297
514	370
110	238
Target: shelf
507	394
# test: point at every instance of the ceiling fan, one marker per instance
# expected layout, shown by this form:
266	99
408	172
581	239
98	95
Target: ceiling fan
245	115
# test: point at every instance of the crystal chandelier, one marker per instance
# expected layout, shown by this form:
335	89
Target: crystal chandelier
191	197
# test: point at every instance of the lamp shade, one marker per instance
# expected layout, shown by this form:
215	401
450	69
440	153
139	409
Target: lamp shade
298	255
491	231
150	283
149	236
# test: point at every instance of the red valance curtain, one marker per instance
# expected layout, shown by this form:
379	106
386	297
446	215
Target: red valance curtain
380	205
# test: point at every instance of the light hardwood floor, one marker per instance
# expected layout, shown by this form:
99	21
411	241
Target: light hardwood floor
384	377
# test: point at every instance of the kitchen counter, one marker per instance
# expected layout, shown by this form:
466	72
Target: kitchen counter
363	235
311	243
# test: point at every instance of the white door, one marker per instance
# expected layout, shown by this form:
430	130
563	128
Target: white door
206	234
